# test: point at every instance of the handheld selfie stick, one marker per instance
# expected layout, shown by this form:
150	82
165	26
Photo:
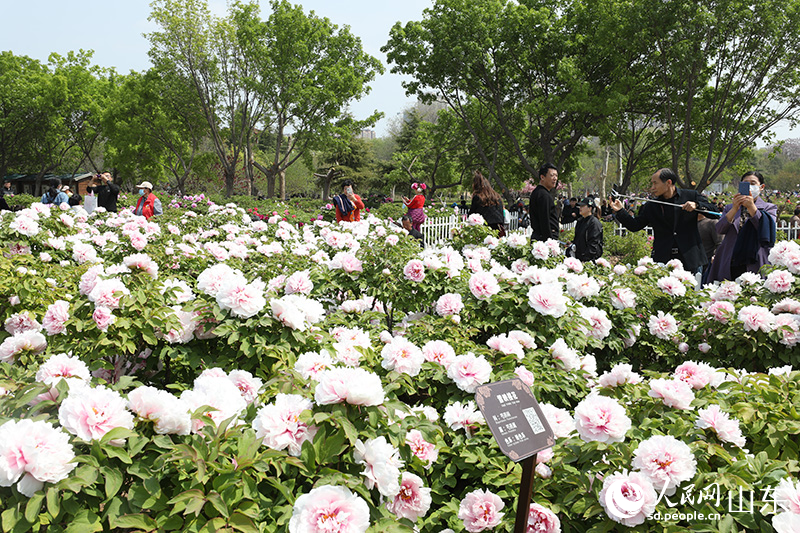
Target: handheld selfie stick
618	195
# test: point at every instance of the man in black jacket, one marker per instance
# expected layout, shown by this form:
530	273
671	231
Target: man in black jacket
544	218
675	234
588	233
107	192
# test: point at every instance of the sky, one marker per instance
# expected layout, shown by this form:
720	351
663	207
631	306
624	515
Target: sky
113	29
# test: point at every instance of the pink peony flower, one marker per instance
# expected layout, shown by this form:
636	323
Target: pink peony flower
55	318
21	322
413	499
787	495
108	293
463	416
468	371
299	282
103	317
329	509
560	421
402	356
449	304
600	418
523	338
214	278
573	264
671	286
786	522
439	352
214	389
582	286
663	326
28	341
310	364
247	384
480	510
142	262
91	413
33	453
727	290
755	317
502	343
346	261
525	375
63	366
542	520
788	326
414	270
628	498
548	299
382	465
721	311
623	298
568	356
355	386
727	428
483	285
242	299
422	449
673	392
697	375
599	323
620	374
787	305
278	424
779	281
168	413
665	461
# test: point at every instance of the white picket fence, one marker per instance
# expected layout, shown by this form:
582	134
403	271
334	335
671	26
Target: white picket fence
437	230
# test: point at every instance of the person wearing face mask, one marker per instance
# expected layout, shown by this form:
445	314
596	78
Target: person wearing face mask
148	204
748	225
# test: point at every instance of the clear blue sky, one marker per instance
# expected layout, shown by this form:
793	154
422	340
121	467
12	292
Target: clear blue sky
113	29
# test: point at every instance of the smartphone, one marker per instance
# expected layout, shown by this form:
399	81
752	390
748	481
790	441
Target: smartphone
349	189
744	188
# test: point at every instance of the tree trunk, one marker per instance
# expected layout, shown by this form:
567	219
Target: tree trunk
282	184
230	180
604	175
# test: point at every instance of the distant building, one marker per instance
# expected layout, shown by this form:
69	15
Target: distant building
366	134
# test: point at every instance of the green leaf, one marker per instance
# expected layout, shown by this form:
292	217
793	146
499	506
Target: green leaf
10	518
53	502
34	506
85	521
216	500
136	521
242	523
113	479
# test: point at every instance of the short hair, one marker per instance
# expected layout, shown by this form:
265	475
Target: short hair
54	183
797	210
404	218
573	199
755	173
667	174
545	168
347	183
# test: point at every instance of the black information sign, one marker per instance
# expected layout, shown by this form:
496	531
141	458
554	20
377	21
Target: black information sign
514	418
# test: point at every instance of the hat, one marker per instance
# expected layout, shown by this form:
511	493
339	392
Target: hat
146	185
586	201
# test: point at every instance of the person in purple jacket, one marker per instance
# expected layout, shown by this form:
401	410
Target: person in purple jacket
731	261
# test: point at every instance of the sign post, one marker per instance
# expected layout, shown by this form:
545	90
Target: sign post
520	429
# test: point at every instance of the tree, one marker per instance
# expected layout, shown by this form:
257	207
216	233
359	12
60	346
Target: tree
534	75
22	117
204	51
353	160
727	72
156	126
306	71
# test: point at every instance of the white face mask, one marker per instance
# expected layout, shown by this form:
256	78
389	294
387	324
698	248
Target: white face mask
755	190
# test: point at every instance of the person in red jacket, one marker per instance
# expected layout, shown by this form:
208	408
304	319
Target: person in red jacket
348	204
148	204
415	205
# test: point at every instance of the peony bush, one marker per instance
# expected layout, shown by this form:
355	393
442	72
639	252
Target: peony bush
204	371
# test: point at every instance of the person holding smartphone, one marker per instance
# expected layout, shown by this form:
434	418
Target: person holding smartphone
675	234
749	225
348	204
107	192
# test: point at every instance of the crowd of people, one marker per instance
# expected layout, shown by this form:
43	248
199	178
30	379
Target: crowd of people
101	191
